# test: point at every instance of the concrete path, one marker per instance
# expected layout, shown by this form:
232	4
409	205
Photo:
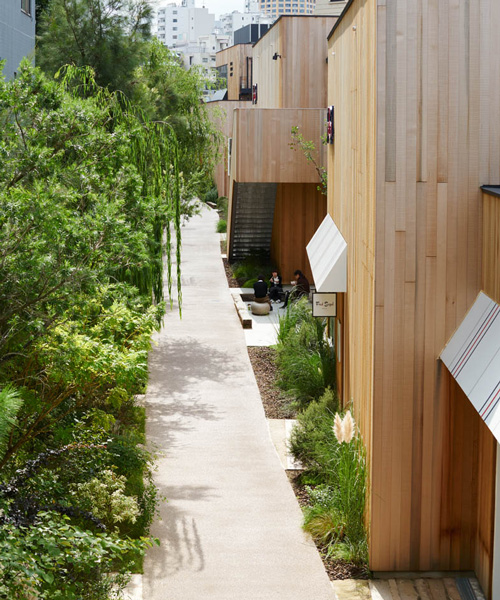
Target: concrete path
231	529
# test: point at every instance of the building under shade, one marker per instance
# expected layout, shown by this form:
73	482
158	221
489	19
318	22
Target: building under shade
17	33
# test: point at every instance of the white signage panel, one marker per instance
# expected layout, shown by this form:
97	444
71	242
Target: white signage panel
324	304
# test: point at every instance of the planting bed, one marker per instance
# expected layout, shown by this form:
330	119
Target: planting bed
276	406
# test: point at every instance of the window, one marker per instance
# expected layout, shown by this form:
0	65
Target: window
174	37
175	20
174	28
26	6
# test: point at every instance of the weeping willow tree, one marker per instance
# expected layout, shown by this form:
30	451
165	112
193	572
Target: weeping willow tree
169	93
89	205
88	187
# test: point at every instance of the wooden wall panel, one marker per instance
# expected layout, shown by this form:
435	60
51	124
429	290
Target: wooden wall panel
266	71
351	197
404	191
298	212
491	246
299	77
304	73
221	114
261	145
433	69
235	57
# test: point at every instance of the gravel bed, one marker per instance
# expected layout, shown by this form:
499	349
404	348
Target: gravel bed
276	403
231	281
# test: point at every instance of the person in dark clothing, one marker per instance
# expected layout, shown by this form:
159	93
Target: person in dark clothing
260	291
301	287
275	287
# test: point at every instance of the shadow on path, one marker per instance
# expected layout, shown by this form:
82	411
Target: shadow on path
181	547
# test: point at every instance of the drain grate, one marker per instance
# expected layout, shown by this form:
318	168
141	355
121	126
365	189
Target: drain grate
469	589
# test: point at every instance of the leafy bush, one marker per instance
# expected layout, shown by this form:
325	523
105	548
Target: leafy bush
222	207
337	472
312	441
221	226
305	359
211	195
250	283
56	560
254	265
105	497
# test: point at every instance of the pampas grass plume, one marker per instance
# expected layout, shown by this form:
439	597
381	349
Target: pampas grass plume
338	429
348	427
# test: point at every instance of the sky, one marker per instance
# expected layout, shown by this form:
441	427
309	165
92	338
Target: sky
218	7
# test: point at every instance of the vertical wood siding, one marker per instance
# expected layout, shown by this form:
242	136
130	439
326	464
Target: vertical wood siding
298	212
351	195
237	55
415	264
298	79
221	114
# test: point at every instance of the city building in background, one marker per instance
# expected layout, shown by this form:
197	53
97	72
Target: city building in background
180	25
17	33
234	21
203	53
276	8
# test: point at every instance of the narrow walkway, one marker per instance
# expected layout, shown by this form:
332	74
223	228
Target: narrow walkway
231	527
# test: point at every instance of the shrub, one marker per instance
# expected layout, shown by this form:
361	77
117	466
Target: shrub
312	441
55	560
338	470
250	283
253	265
105	497
305	359
222	207
211	195
221	226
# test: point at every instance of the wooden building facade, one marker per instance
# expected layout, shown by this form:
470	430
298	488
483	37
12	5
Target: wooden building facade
290	82
416	93
234	64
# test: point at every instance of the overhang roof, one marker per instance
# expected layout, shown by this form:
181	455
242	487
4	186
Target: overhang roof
492	190
327	252
472	355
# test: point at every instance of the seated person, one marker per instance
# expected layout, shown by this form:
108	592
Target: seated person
260	291
301	287
275	287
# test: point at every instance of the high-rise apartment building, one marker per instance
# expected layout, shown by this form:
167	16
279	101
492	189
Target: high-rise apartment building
276	8
17	33
176	25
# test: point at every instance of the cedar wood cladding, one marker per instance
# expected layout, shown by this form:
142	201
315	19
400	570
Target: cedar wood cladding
416	91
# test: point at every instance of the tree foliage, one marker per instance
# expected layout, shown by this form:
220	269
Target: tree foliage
169	93
86	190
88	186
107	35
